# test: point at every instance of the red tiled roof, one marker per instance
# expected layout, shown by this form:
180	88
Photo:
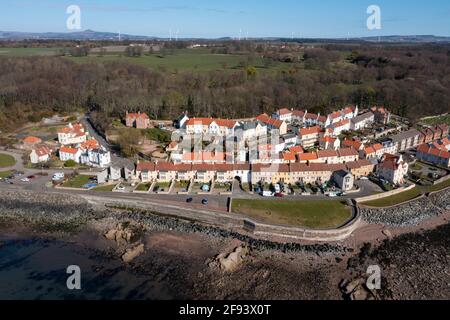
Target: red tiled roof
307	156
68	150
352	143
42	151
145	166
341	123
90	144
142	115
283	111
199	121
424	148
298	113
347	152
289	156
297	149
327	153
32	139
311	130
335	115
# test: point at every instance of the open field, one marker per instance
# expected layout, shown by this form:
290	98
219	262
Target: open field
187	60
26	52
395	199
6	160
310	214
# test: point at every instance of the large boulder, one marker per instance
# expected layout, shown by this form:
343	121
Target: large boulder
133	253
229	262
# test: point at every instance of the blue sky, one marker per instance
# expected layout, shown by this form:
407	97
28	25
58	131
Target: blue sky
218	18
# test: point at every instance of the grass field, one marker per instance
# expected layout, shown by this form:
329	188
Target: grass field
187	60
310	214
77	181
395	199
6	160
27	52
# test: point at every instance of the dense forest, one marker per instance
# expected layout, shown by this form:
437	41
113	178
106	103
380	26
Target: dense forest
411	80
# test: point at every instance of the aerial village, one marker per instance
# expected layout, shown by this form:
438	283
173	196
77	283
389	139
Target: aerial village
290	152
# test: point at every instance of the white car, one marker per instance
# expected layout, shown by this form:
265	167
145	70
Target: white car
121	188
364	178
25	180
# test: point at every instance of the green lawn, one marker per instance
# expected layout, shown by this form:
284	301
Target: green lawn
107	188
6	160
4	174
143	187
188	60
395	199
77	182
320	214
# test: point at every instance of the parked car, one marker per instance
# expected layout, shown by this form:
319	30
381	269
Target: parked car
279	195
267	194
189	200
58	176
25	180
364	178
205	201
121	188
31	177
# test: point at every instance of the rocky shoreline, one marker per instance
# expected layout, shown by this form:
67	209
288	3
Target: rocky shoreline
166	258
410	213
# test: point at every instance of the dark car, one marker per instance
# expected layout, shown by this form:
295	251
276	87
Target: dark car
279	195
189	200
31	177
205	201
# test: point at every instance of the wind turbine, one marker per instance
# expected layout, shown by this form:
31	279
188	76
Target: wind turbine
240	34
170	34
176	34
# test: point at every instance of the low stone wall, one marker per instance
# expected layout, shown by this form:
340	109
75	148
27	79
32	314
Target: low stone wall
443	179
384	194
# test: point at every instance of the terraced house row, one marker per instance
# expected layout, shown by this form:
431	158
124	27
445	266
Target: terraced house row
246	173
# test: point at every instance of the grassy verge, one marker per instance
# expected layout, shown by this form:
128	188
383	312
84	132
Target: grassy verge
4	174
438	186
6	160
310	214
107	188
143	187
77	181
395	199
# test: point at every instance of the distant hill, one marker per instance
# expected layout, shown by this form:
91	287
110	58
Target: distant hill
82	35
98	35
410	39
